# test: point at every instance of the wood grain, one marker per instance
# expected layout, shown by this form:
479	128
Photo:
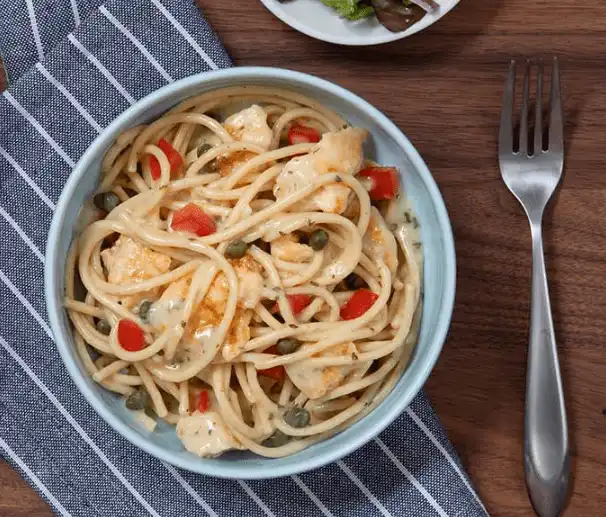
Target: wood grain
443	88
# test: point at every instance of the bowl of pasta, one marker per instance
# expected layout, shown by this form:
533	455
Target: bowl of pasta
250	273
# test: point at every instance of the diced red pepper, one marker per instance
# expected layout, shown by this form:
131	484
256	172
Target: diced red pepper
192	219
203	401
154	167
298	134
385	182
174	159
130	336
297	302
358	304
276	373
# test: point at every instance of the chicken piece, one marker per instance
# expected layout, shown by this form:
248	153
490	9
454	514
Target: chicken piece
206	435
250	125
250	281
209	313
379	242
332	199
228	163
238	334
196	341
287	248
129	262
338	151
315	381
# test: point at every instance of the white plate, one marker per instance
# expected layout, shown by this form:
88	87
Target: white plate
313	18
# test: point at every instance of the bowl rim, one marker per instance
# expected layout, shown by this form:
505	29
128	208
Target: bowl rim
279	12
228	470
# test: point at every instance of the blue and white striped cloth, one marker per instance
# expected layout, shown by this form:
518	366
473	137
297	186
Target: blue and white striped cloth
73	66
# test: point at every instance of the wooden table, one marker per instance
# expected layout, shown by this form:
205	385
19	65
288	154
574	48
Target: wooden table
443	88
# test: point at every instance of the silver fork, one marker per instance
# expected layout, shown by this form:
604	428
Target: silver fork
532	176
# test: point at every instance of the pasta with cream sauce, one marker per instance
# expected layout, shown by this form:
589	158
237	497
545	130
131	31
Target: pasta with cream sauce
246	274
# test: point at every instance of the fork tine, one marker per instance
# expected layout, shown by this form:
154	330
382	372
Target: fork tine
538	114
524	112
556	117
506	127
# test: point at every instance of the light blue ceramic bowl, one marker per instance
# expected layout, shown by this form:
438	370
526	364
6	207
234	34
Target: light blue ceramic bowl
388	146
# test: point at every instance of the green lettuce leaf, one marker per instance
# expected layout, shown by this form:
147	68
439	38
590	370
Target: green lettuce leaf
350	9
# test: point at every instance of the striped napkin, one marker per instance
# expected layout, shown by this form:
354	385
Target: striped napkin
73	66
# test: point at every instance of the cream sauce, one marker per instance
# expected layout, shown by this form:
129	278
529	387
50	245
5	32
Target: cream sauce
206	435
315	381
166	310
399	213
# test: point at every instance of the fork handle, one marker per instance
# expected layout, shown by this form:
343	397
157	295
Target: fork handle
546	457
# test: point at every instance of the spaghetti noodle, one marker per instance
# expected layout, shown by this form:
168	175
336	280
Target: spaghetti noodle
245	274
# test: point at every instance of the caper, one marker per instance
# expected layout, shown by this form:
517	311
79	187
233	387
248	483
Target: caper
204	148
277	439
140	399
318	240
287	345
106	201
297	417
104	327
144	310
236	249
